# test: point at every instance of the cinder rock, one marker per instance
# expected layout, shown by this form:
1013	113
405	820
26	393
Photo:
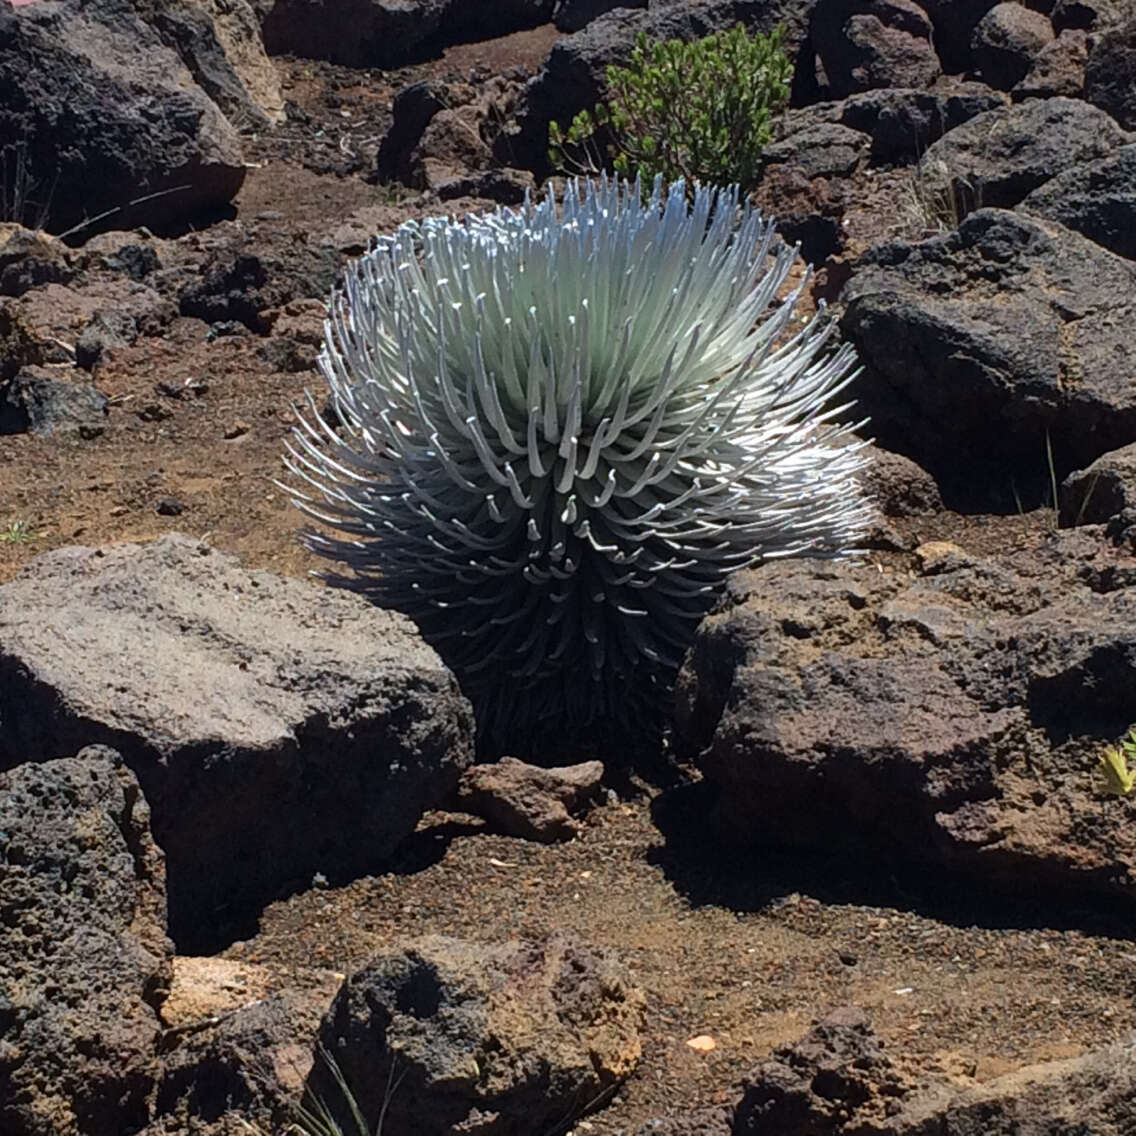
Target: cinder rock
1057	69
823	150
1088	1094
954	22
572	15
39	401
1086	14
234	282
954	720
446	1036
278	729
904	122
358	33
899	486
108	115
29	259
981	344
1110	72
862	44
528	801
219	41
237	1047
84	960
996	158
467	20
1006	42
836	1079
1104	490
1097	199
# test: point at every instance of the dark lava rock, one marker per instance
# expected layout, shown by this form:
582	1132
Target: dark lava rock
572	15
84	960
529	801
1110	72
996	158
37	401
954	22
1006	42
830	1082
1057	69
278	729
899	487
904	122
953	720
824	150
1104	490
28	259
862	44
1097	199
108	115
982	344
236	284
358	33
446	1036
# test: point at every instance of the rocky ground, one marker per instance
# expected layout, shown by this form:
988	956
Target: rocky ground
873	884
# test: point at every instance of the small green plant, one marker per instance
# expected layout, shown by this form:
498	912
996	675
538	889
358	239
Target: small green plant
701	111
1112	765
18	532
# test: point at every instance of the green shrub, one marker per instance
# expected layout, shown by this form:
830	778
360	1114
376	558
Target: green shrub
700	110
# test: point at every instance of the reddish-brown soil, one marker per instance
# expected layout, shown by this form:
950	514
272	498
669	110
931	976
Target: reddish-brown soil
747	951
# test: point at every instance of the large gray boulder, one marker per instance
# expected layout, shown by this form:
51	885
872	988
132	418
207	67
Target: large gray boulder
1110	71
953	721
84	960
220	42
1097	199
996	158
1103	493
278	728
982	344
358	33
864	44
441	1036
105	115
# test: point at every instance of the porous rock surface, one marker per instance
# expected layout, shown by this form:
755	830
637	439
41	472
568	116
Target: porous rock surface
955	719
981	344
446	1036
1102	493
84	960
835	1079
862	44
108	114
278	729
1098	199
996	158
1006	42
529	801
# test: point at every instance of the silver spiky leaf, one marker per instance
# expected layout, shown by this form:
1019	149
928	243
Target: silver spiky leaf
558	430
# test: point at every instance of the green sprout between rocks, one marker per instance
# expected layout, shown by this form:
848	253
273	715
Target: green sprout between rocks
701	111
18	532
1118	779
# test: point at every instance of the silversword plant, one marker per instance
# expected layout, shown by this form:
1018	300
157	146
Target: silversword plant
554	431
